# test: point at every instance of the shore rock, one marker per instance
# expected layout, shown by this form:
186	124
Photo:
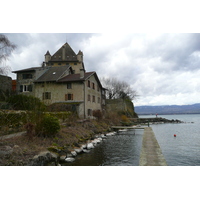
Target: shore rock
43	158
78	150
69	159
73	153
62	158
90	146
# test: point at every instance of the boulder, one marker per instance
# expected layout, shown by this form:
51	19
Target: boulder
73	153
110	134
78	150
95	141
84	146
43	158
69	159
103	136
90	146
62	158
86	151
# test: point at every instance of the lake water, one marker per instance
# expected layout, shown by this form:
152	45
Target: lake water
124	148
184	149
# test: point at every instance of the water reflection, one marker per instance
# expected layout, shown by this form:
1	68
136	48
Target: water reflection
122	149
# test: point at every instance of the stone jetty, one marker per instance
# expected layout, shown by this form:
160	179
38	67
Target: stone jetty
151	154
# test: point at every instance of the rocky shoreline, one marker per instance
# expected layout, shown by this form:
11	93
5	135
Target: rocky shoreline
58	157
73	139
155	120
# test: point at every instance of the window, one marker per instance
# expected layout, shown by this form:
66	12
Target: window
89	98
46	95
98	88
27	76
75	63
26	88
88	83
89	112
93	98
99	99
69	86
68	97
93	86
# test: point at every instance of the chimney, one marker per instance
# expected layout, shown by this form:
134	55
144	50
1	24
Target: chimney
63	52
82	73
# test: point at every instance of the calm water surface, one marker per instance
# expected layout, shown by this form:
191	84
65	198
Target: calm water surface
184	149
122	149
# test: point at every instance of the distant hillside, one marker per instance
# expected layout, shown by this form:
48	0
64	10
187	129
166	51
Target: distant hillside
173	109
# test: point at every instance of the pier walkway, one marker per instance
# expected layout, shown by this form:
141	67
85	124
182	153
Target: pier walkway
151	154
126	127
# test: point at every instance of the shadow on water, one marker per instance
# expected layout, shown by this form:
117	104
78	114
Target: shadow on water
122	149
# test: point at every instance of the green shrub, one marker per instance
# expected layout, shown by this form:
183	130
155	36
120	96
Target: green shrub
14	119
48	126
24	102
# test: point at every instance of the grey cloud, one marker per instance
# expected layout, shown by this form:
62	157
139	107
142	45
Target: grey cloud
157	66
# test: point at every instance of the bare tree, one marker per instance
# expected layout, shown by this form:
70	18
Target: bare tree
6	48
118	89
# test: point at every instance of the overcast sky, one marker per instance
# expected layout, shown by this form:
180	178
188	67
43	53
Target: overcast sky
164	69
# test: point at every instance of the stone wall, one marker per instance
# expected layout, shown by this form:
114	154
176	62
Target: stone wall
120	106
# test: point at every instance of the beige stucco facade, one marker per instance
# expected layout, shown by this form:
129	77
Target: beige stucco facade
87	98
62	78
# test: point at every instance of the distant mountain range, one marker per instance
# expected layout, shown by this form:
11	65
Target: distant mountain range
168	109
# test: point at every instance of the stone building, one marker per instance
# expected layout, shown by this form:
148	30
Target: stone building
62	78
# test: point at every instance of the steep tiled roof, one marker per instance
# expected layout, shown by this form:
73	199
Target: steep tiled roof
69	54
75	77
53	74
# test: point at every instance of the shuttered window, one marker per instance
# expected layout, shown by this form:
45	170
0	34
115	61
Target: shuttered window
68	97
